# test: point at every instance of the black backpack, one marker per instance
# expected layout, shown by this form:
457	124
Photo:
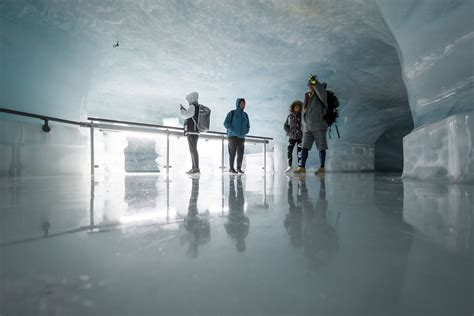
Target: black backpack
332	112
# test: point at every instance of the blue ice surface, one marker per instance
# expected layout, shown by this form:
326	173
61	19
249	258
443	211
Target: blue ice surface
343	244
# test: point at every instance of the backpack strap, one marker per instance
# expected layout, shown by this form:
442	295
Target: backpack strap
231	117
320	99
337	131
306	100
196	114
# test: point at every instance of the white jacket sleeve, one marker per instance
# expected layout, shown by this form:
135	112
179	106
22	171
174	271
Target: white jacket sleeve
188	113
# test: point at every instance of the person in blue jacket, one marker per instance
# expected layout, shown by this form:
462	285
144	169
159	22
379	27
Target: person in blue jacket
238	125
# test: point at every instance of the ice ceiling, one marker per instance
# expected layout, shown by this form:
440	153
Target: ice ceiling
61	53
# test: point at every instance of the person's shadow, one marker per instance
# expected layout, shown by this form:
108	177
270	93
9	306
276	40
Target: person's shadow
294	219
197	226
237	226
320	240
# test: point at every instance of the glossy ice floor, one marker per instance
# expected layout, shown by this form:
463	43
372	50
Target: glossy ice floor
346	244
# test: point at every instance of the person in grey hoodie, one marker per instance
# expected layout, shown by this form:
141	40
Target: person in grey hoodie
191	130
314	108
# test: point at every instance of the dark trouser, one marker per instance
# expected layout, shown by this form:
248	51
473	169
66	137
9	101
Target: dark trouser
192	142
291	146
236	146
304	157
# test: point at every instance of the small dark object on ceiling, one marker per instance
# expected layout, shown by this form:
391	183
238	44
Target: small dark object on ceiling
116	44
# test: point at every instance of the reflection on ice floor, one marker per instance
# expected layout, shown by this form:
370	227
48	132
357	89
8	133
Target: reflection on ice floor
353	244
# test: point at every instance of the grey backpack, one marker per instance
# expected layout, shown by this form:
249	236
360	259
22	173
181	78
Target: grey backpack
204	118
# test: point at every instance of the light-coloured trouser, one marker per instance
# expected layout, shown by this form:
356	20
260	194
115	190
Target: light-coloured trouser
318	137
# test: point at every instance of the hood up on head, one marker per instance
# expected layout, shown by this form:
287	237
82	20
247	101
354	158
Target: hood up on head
192	97
237	103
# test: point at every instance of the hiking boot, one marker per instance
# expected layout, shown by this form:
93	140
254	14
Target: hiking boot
320	171
240	171
300	170
232	170
288	169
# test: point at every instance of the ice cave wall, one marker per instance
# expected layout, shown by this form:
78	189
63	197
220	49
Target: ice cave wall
436	44
60	53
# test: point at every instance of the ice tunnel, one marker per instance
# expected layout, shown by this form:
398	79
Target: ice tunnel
92	141
395	66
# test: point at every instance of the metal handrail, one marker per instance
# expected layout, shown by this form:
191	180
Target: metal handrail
137	127
43	117
96	119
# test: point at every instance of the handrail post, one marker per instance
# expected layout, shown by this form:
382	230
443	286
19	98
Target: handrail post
92	149
265	156
167	151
